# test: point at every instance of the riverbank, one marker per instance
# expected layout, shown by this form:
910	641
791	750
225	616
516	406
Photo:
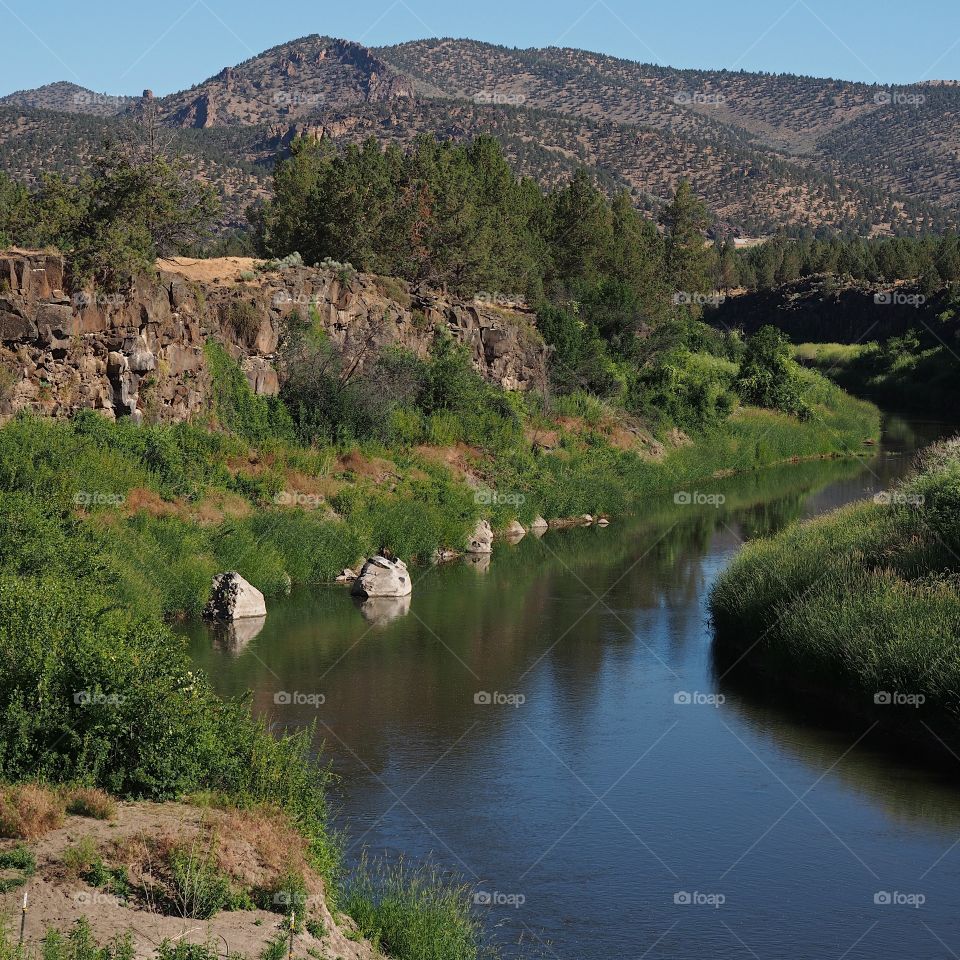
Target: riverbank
109	529
902	374
859	608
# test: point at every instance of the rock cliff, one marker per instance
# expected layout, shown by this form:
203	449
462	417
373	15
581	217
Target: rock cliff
140	354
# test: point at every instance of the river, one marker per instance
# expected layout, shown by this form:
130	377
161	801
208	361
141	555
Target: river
553	728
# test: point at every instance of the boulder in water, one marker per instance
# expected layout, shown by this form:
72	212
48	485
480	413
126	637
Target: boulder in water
232	598
382	577
481	540
539	524
515	532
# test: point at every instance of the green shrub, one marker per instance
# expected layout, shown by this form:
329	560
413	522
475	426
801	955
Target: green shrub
413	914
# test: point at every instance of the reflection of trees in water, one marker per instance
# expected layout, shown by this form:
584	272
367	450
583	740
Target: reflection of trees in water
895	779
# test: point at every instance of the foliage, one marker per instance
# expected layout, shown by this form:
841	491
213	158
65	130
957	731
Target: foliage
413	914
237	407
859	602
115	220
769	377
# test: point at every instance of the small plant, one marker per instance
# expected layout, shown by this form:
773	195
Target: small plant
200	889
285	263
80	944
91	802
182	950
80	858
243	320
18	858
316	928
276	949
112	879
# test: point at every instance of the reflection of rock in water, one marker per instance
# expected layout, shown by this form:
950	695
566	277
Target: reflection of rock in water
479	561
234	637
383	610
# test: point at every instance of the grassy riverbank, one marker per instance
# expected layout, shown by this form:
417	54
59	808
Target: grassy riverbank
108	529
157	511
899	375
861	607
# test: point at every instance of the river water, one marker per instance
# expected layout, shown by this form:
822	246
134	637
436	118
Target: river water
553	728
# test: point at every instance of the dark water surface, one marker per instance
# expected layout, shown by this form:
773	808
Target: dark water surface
590	812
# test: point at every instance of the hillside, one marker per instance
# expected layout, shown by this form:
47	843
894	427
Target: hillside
68	98
766	152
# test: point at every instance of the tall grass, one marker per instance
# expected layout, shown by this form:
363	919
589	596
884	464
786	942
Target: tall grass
413	914
860	603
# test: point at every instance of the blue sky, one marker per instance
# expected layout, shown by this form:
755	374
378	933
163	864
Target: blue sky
124	47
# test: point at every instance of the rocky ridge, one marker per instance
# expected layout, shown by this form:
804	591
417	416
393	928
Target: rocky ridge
140	354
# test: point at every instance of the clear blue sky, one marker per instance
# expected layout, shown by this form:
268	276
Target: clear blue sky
123	47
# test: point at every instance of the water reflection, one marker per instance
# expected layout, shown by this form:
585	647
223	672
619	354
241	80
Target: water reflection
233	638
597	631
379	611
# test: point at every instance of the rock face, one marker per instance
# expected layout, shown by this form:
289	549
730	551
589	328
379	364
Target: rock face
481	540
232	598
140	354
381	577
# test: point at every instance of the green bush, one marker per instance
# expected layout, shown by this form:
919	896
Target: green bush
413	914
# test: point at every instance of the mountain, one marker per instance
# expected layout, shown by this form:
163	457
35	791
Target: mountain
68	98
766	152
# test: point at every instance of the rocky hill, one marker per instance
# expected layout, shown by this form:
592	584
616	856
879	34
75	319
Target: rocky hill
141	354
69	98
766	152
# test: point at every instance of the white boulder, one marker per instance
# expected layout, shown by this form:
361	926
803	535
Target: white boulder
232	598
481	540
381	577
515	532
539	524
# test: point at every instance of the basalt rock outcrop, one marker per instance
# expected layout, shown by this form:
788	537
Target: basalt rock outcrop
140	353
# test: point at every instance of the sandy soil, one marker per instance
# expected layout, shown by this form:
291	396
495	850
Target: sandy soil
216	270
57	899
